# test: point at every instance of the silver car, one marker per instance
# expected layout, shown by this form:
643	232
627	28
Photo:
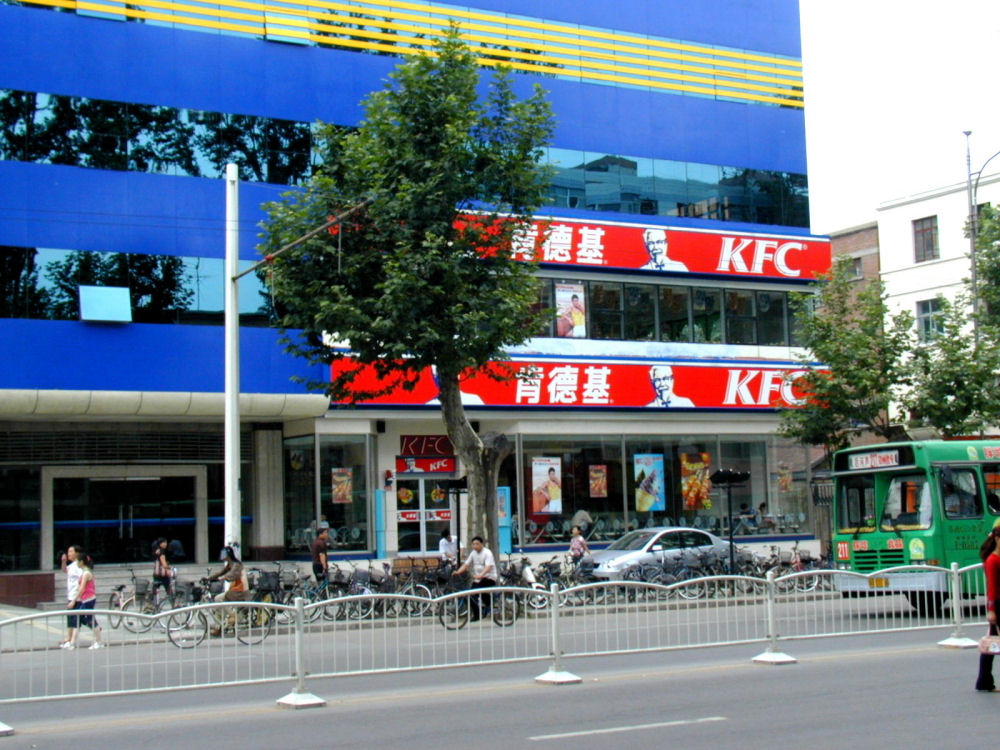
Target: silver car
652	545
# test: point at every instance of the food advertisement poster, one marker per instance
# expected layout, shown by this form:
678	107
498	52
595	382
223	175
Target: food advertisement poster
598	480
650	493
546	485
343	484
695	482
571	313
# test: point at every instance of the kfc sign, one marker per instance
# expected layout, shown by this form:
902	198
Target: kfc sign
425	465
672	250
583	384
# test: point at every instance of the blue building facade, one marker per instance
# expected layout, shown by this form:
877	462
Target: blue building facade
678	123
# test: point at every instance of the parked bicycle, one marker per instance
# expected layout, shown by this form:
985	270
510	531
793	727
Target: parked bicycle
455	612
145	598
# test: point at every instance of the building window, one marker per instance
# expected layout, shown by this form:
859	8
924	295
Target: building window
740	317
929	319
605	310
925	239
675	323
856	270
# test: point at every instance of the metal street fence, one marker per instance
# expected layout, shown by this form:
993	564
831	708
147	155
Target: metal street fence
254	642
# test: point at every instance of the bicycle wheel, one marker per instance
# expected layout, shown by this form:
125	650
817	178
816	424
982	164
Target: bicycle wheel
253	624
115	603
506	608
412	608
187	630
454	613
132	623
360	609
538	600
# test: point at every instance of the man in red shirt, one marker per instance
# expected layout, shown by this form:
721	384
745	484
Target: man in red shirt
319	554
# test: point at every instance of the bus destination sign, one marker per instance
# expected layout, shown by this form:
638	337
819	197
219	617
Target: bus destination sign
874	460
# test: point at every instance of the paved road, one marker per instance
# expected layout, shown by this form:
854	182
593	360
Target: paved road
895	690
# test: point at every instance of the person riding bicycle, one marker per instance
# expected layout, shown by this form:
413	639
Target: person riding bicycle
232	572
319	556
484	575
162	569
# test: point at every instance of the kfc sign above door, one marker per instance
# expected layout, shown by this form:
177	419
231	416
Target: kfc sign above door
673	250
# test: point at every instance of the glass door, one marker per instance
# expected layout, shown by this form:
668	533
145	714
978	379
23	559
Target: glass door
422	513
117	520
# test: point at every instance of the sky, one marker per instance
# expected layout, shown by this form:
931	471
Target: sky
889	87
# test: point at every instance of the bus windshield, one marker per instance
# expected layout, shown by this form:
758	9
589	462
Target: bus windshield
856	504
908	504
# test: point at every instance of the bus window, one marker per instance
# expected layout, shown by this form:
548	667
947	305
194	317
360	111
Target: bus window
991	476
856	503
907	504
959	493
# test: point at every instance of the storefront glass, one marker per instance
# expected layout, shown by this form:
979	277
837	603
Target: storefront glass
343	488
20	518
300	493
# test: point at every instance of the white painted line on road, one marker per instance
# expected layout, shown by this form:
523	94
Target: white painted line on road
632	728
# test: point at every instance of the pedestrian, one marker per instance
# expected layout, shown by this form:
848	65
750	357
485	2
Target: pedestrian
989	552
484	575
232	572
162	569
582	519
578	546
448	548
319	557
81	591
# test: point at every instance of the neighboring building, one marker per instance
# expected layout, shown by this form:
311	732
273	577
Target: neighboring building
924	248
860	244
679	212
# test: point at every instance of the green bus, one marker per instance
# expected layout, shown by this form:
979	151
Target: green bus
916	503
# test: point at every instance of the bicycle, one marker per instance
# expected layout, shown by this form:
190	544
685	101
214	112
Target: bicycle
454	612
250	624
145	599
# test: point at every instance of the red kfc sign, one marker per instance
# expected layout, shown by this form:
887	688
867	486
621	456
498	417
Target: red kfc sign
425	445
673	250
602	384
425	465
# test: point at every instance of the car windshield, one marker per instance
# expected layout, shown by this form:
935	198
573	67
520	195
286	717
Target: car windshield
632	540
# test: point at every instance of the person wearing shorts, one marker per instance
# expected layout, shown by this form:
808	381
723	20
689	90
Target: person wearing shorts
84	597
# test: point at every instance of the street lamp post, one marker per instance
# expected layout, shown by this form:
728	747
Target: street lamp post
727	478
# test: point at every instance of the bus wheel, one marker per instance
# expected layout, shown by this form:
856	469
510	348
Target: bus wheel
927	603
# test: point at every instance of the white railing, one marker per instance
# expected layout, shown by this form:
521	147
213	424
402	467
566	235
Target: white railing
258	642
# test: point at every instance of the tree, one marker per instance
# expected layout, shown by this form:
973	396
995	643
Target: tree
861	350
988	266
952	378
413	280
20	294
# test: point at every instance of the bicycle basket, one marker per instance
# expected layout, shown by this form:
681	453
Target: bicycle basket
376	575
339	576
360	576
268	581
141	588
805	556
215	587
785	556
184	590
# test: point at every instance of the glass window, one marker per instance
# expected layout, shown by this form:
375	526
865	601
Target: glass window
907	504
20	519
929	319
771	318
960	493
675	313
740	319
300	494
856	503
344	490
925	239
640	312
605	310
707	315
588	474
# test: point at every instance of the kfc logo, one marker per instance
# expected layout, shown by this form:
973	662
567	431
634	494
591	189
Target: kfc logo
733	260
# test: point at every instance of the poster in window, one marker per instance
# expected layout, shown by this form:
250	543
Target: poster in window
571	311
650	493
598	480
695	482
546	485
343	485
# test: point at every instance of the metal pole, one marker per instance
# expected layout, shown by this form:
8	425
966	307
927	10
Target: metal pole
232	507
973	228
732	555
300	697
556	674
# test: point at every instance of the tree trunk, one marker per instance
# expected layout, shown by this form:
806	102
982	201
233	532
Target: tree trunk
481	458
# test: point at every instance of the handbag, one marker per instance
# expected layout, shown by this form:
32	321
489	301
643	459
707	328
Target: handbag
990	645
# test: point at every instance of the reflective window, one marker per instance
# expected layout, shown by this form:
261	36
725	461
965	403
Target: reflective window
856	503
929	319
740	317
707	315
960	493
675	313
640	312
104	134
605	310
772	318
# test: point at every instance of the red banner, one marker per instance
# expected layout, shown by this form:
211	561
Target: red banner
659	385
425	464
661	249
